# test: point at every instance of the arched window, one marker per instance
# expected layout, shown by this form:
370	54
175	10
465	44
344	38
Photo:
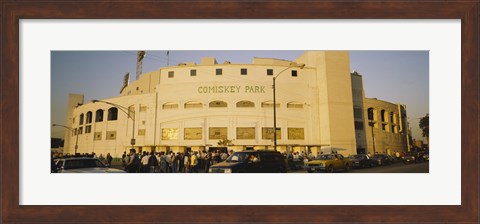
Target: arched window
99	115
193	104
294	105
269	104
112	114
81	119
245	103
218	103
170	106
370	114
383	115
89	117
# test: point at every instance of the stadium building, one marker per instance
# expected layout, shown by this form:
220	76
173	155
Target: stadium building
320	106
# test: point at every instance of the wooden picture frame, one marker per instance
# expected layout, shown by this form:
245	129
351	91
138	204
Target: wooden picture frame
12	11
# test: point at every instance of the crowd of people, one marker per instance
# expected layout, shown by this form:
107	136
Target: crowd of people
171	162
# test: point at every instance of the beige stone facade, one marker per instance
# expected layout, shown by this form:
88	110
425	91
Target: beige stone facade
193	106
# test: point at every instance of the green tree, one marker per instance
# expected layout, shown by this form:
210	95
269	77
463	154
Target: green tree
225	142
423	124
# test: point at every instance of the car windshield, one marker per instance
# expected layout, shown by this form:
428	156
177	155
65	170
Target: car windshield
241	157
325	157
82	163
356	156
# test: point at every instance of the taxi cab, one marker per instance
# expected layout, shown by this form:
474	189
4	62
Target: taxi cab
328	163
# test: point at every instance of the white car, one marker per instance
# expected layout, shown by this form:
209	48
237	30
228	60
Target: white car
84	165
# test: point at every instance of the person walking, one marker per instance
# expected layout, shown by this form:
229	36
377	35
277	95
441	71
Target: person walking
176	158
207	160
224	156
163	163
181	165
186	162
152	162
109	159
144	161
193	163
134	163
125	159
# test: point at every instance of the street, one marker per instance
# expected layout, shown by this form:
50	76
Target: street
398	167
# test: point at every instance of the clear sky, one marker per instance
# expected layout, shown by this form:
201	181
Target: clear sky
394	76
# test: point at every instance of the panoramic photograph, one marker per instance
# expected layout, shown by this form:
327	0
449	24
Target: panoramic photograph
239	111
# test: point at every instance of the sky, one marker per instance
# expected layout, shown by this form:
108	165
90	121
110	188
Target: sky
394	76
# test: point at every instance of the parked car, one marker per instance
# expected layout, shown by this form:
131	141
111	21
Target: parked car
83	165
252	161
328	163
381	159
409	158
426	156
392	159
361	161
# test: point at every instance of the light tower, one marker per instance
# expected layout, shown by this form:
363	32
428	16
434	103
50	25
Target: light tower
140	56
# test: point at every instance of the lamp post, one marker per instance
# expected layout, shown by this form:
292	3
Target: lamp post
71	129
124	110
372	123
292	65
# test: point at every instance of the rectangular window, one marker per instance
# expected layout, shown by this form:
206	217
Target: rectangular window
193	72
243	71
269	71
80	130
218	71
294	73
170	74
88	129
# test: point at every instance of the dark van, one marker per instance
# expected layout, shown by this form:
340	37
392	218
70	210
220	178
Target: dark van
252	161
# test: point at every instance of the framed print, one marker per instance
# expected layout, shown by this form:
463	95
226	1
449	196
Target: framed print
31	30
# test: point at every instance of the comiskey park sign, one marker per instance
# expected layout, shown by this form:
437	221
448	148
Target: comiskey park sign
231	89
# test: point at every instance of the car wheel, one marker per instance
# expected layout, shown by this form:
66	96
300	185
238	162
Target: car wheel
330	169
347	167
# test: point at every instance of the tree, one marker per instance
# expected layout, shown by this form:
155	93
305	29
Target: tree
423	124
225	142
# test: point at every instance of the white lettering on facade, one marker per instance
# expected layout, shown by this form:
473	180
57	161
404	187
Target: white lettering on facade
230	89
